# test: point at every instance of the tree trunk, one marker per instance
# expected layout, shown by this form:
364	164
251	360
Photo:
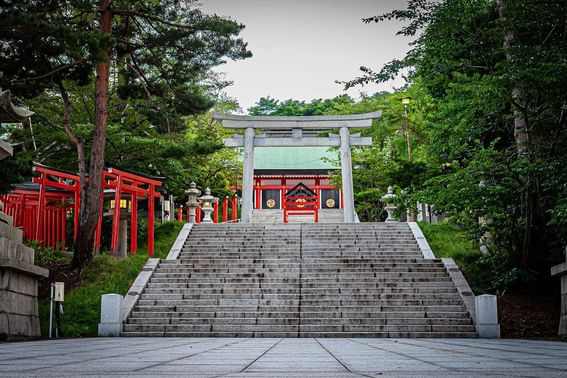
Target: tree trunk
79	144
522	140
92	191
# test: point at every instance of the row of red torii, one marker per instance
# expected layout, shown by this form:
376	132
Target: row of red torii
42	210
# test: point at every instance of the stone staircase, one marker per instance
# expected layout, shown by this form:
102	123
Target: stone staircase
273	216
301	280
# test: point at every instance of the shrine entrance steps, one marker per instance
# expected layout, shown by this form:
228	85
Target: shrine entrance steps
272	216
301	280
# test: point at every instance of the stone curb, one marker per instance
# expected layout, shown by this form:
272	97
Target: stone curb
421	241
462	285
138	287
179	242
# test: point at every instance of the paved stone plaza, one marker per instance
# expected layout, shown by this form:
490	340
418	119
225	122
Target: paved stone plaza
235	357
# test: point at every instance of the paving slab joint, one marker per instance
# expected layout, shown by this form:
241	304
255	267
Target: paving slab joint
138	287
424	247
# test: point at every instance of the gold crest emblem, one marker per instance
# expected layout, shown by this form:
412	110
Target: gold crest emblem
271	203
330	202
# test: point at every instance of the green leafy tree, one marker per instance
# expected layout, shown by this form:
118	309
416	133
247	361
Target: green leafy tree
495	72
153	56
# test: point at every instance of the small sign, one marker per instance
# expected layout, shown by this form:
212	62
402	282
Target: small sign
59	291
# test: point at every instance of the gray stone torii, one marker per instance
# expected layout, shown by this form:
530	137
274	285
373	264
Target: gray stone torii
296	125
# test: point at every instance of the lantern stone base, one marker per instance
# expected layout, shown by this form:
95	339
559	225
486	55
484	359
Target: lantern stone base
18	286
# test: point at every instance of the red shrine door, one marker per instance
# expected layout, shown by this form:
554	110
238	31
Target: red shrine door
301	201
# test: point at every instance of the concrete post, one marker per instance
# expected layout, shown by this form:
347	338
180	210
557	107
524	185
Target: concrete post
346	173
487	317
561	271
110	315
248	176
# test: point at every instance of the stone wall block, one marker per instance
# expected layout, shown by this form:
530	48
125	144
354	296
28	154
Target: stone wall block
21	325
7	248
11	233
4	279
4	325
23	284
25	254
14	303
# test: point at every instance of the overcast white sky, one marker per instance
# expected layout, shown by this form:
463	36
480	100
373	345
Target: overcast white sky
301	47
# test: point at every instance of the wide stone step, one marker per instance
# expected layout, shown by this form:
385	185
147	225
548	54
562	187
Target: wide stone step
411	335
286	289
213	261
149	313
293	328
305	298
345	309
243	302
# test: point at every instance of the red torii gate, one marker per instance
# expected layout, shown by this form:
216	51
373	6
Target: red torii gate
136	186
43	213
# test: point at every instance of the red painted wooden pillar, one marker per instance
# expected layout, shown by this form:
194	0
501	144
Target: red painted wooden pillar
225	209
116	218
57	227
41	209
318	190
216	212
64	228
283	190
47	232
180	214
98	232
76	210
234	208
342	199
134	225
198	214
151	214
258	194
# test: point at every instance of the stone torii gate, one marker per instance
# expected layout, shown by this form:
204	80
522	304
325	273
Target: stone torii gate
289	132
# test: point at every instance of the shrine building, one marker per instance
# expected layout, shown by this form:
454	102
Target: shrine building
278	170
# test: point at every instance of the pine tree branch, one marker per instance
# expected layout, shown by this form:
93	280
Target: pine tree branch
130	13
56	70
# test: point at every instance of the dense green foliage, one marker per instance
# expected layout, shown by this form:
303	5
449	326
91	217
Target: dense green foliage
162	55
103	276
494	75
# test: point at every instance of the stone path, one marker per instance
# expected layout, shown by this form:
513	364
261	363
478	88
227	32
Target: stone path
243	357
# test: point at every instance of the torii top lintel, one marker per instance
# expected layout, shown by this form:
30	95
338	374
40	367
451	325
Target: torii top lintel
231	121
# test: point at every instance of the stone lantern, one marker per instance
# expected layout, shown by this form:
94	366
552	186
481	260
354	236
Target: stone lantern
389	200
207	206
192	203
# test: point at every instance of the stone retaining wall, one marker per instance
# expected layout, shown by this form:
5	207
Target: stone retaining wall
18	285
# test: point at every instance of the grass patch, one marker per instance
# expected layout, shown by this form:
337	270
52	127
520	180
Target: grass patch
448	240
105	275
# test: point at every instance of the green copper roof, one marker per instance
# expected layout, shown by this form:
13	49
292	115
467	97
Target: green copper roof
293	158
